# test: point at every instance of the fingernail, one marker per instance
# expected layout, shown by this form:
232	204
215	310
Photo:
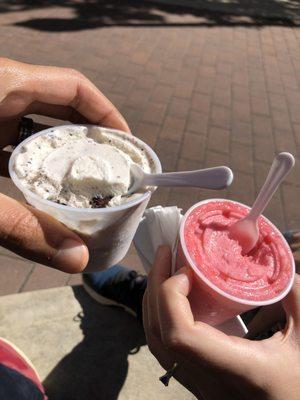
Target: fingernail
71	257
183	270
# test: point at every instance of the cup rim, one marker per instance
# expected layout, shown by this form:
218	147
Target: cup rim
67	208
255	303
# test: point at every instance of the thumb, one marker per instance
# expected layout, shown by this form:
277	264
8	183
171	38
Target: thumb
37	236
291	305
174	307
181	333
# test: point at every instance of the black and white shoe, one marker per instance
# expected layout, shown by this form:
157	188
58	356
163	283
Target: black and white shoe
117	286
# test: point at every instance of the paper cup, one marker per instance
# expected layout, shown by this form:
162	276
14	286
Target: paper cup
211	304
107	232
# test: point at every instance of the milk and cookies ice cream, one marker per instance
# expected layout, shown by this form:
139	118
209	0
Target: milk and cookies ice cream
81	166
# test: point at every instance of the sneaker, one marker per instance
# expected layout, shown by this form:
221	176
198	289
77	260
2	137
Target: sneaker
117	286
19	379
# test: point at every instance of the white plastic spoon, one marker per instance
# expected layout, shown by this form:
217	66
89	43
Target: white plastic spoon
245	231
210	178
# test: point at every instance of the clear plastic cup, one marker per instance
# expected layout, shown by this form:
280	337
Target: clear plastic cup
107	232
209	303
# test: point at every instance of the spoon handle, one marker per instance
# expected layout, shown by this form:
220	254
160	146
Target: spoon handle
210	178
281	165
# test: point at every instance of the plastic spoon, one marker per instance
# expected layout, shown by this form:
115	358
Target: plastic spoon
210	178
245	231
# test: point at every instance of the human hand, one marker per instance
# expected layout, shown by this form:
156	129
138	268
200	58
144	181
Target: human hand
212	365
61	93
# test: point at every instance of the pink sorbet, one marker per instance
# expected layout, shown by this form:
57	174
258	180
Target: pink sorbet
260	275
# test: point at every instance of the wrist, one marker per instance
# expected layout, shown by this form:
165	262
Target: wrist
14	81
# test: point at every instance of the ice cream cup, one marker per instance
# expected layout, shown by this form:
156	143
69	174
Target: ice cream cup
209	303
107	232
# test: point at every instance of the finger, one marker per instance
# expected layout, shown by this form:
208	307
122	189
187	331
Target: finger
57	111
181	334
154	341
152	335
67	87
166	359
145	312
291	305
158	274
156	347
146	319
39	237
177	312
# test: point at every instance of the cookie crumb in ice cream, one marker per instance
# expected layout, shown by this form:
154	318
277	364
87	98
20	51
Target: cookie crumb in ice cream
100	202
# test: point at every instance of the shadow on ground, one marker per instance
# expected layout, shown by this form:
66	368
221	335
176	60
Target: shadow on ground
97	367
92	14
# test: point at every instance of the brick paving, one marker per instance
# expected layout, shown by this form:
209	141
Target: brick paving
202	88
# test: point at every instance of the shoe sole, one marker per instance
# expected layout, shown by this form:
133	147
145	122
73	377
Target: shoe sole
22	355
104	300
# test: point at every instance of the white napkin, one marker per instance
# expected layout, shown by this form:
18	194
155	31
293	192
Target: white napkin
160	225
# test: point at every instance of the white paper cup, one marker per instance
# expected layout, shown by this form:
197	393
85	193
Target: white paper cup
211	304
107	232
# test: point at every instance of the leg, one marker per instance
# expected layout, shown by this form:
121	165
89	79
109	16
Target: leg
19	380
117	286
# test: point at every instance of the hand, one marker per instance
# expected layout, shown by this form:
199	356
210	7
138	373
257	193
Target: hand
60	93
211	364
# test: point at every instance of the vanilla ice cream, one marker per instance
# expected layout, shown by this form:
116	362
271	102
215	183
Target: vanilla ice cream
81	166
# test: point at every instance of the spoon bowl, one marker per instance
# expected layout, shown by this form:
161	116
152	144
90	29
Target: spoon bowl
246	232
